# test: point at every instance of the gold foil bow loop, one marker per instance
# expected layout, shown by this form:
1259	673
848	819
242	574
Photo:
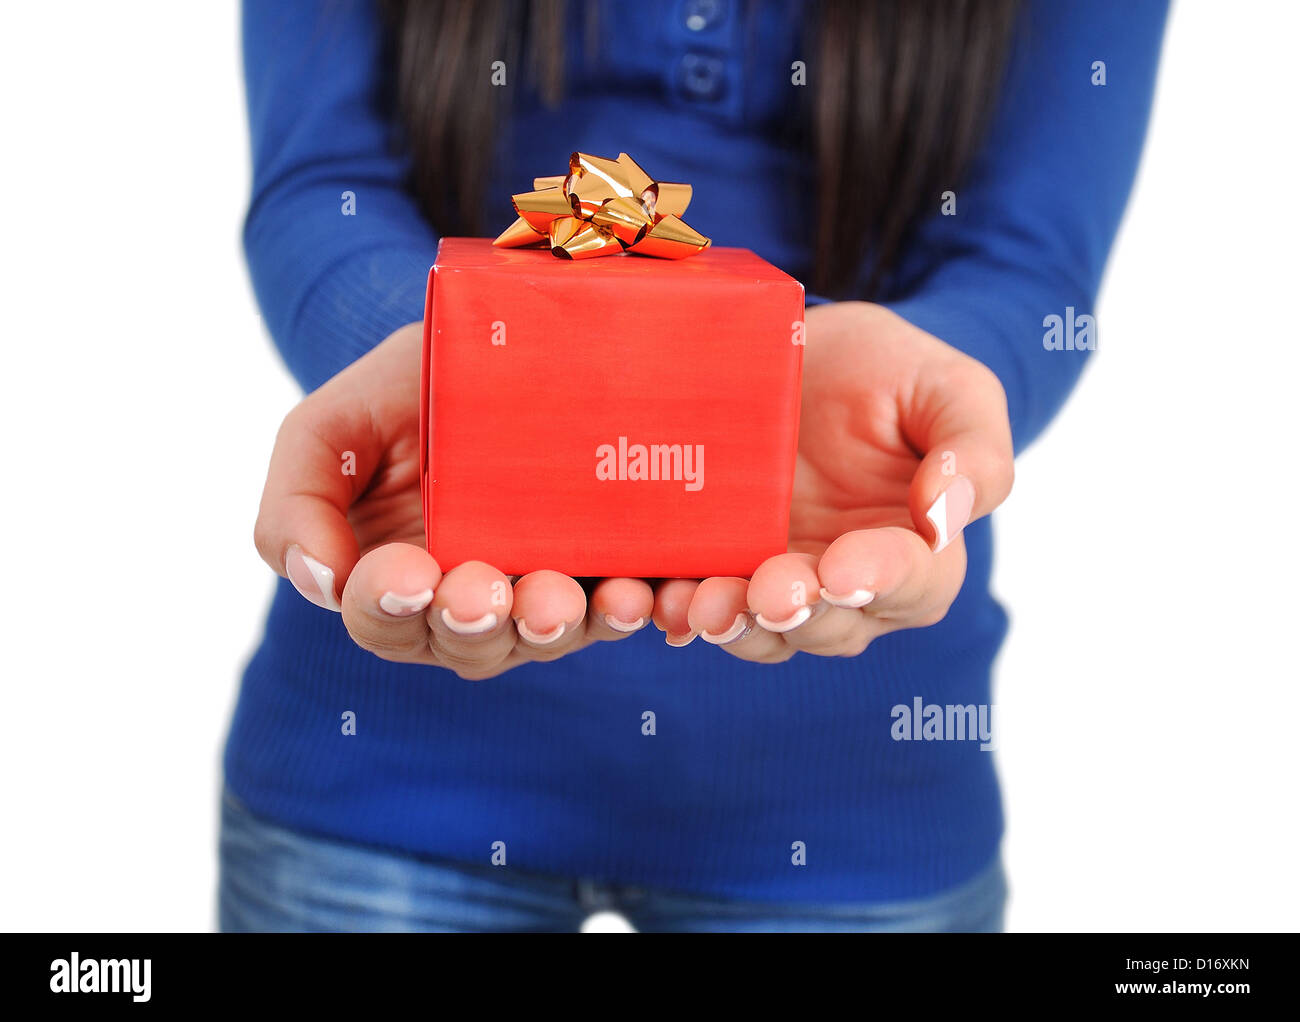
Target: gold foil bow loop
604	207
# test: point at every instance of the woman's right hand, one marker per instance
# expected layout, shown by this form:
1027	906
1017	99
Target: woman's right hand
341	518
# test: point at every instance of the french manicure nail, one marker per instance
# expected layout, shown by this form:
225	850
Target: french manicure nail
539	638
849	601
624	626
738	628
679	640
311	578
789	624
405	606
476	627
950	512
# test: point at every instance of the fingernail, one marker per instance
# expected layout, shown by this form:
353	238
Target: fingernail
539	638
405	606
477	627
623	626
950	512
679	640
738	628
789	624
849	601
311	578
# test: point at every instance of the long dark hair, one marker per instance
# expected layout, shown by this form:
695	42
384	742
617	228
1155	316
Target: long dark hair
902	92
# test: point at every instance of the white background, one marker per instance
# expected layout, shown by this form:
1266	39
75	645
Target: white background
1148	691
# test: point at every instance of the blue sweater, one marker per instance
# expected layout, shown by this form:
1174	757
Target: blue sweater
747	759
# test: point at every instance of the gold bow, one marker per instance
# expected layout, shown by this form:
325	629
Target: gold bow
604	207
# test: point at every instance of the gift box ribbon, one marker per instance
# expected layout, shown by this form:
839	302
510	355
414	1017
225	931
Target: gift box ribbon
604	207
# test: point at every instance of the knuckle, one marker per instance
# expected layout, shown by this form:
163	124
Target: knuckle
933	615
846	645
540	655
476	674
777	654
306	419
395	648
1004	476
856	647
296	420
980	377
391	654
467	663
264	542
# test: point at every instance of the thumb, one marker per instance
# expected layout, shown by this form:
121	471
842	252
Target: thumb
302	528
958	419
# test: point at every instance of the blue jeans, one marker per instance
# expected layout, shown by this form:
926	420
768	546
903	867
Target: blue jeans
280	880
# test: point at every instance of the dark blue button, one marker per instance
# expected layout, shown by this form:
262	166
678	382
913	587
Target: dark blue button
702	77
701	14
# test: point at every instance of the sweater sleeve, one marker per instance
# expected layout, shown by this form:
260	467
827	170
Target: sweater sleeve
1037	215
336	247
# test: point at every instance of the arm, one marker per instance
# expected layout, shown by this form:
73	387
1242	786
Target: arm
904	435
331	286
342	296
1037	215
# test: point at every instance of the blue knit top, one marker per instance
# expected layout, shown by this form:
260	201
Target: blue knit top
746	759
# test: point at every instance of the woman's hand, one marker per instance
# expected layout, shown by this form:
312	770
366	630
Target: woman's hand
342	508
903	441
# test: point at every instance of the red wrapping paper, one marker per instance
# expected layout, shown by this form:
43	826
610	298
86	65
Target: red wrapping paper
609	417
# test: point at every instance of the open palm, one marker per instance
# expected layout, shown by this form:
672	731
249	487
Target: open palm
902	441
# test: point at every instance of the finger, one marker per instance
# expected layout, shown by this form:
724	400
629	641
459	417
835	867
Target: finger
719	612
785	595
619	607
470	627
892	575
671	610
958	417
385	599
302	530
549	609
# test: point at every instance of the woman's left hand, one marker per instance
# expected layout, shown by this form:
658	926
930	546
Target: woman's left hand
903	441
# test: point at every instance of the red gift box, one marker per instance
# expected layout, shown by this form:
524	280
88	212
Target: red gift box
621	416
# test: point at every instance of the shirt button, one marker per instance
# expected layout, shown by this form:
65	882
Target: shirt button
702	77
701	14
